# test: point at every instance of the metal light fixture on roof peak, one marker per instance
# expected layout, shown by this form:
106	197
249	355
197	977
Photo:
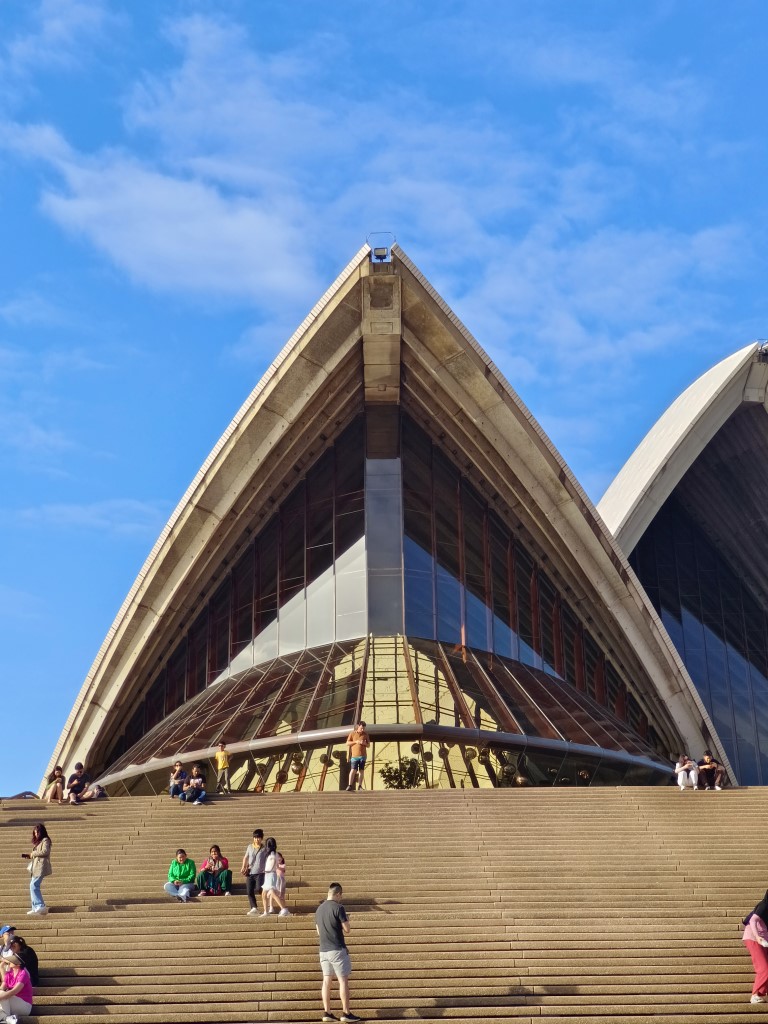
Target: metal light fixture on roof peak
381	243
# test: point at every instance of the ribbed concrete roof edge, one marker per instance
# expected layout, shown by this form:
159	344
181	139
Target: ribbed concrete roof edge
157	549
670	447
497	374
595	526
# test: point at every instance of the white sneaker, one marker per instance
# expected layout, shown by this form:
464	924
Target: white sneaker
253	910
719	787
285	912
227	893
682	788
196	802
42	910
695	787
11	1019
757	999
266	913
31	912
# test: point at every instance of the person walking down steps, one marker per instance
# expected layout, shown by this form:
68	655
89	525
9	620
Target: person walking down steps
39	867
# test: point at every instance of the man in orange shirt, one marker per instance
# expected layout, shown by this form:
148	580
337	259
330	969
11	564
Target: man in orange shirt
358	742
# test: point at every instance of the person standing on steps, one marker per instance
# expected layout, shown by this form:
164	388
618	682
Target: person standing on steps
358	742
332	925
39	868
253	868
269	890
755	938
222	769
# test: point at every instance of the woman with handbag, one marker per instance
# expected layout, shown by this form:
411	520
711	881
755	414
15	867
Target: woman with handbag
39	867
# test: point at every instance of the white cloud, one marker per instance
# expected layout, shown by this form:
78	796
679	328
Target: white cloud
61	34
253	168
122	517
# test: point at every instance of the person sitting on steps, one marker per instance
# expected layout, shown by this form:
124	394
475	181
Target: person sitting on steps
215	878
193	791
711	772
687	772
181	877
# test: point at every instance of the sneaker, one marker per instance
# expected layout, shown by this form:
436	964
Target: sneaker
266	913
285	912
754	999
350	1018
42	910
195	802
227	893
349	789
695	787
31	912
707	787
682	789
719	788
253	910
11	1019
328	1017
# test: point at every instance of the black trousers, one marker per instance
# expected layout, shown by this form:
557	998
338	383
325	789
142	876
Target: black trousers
253	884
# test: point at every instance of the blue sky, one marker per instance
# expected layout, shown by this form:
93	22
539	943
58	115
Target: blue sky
180	181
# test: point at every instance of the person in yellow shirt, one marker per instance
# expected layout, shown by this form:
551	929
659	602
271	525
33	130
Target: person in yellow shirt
358	742
222	769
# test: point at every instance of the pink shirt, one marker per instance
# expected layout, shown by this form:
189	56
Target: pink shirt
13	976
755	930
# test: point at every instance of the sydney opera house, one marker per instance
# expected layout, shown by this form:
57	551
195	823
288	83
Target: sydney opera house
385	532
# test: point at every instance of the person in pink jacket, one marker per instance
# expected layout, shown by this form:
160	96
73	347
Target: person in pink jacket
755	938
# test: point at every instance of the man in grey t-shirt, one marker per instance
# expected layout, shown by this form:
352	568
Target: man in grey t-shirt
332	926
253	868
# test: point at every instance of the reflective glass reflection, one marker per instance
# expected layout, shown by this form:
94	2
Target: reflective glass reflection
719	626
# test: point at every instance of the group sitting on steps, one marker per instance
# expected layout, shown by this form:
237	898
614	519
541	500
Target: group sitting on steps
708	771
18	975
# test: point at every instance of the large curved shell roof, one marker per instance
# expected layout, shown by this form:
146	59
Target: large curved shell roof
676	440
319	376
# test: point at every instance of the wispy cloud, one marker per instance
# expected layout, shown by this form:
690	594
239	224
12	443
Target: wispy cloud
58	35
120	517
253	166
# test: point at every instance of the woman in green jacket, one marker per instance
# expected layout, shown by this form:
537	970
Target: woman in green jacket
181	877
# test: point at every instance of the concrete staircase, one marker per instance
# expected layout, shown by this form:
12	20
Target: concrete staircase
617	906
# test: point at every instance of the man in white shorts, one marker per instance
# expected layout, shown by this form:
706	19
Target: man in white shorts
332	925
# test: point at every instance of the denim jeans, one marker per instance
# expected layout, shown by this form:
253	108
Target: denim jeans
184	891
176	789
34	893
190	795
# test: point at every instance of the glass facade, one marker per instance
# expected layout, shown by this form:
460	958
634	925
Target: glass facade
473	719
382	536
719	627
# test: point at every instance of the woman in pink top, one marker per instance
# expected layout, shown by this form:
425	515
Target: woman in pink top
16	991
756	940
